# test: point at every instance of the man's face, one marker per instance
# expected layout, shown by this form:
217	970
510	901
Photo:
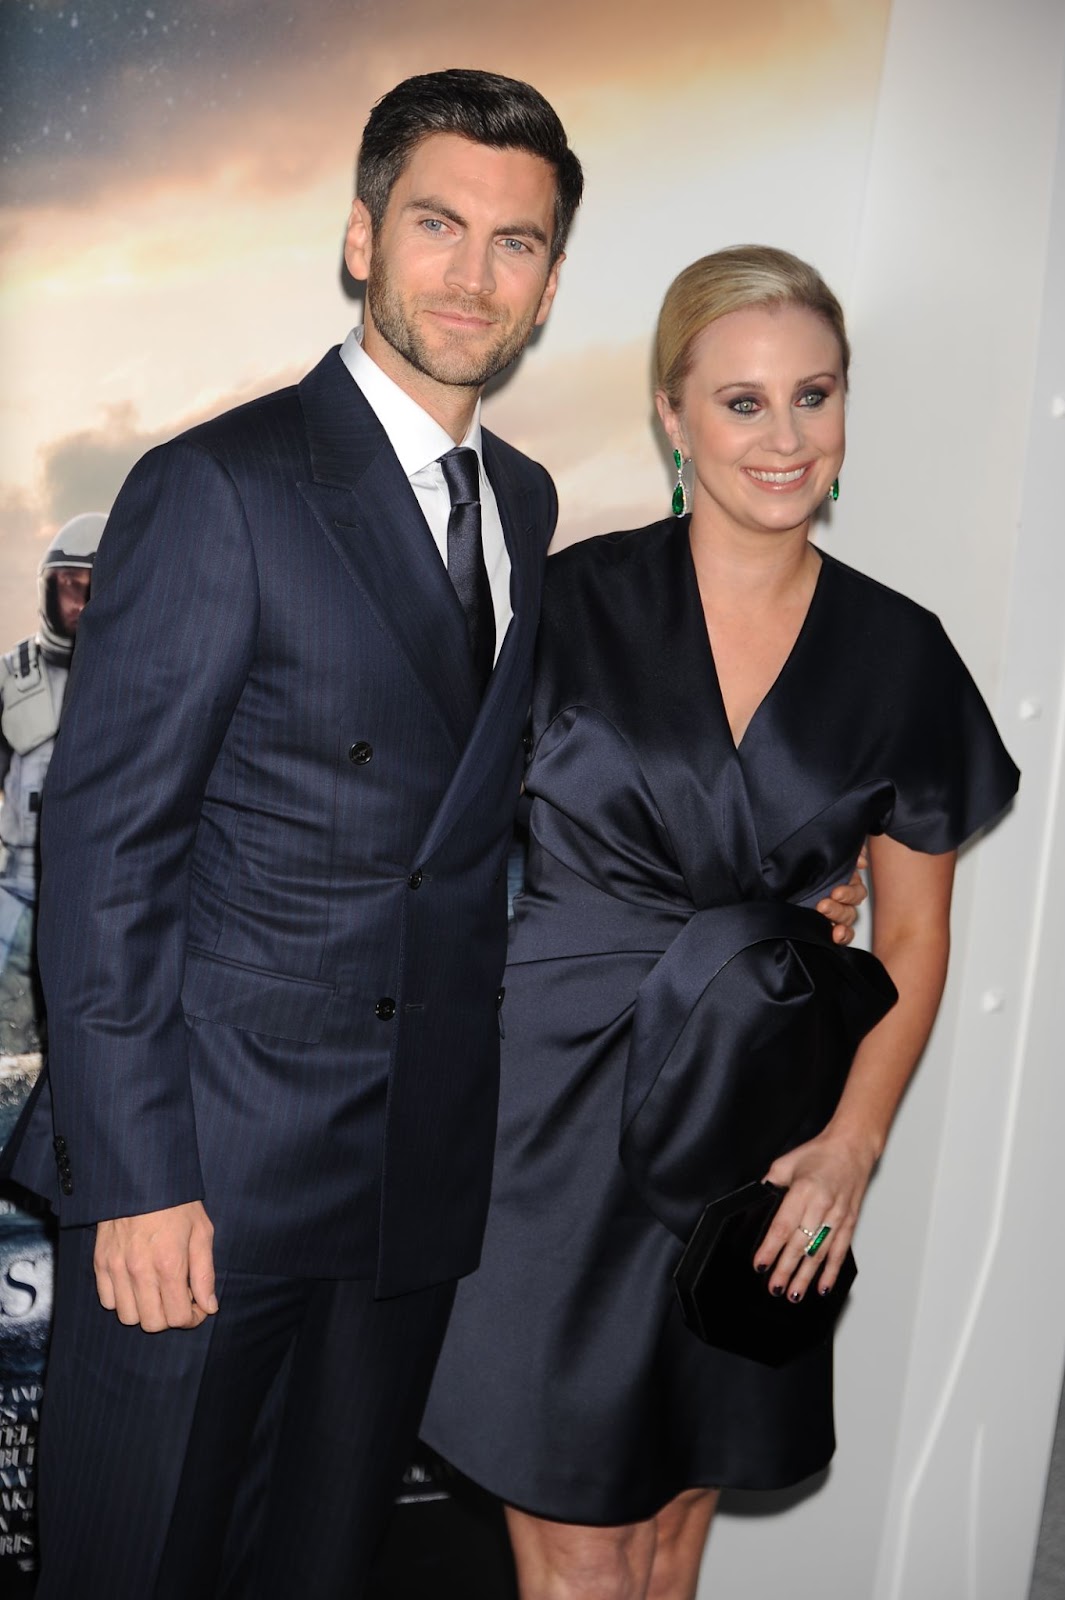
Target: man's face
458	275
71	596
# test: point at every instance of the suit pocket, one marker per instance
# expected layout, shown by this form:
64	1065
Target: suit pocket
223	991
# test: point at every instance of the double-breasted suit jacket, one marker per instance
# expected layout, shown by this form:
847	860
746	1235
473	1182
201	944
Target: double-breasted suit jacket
272	928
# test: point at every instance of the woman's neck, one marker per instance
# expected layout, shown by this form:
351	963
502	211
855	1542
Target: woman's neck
742	569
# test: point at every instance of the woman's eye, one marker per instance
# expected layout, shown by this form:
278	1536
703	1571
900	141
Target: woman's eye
812	398
744	406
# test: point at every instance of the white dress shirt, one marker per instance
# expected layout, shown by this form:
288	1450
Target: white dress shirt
419	441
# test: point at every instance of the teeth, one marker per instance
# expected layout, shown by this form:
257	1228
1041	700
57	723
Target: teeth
777	477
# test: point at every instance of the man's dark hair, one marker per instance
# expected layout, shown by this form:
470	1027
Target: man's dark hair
480	106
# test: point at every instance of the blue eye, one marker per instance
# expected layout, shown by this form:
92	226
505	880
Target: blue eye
432	225
745	405
812	398
514	247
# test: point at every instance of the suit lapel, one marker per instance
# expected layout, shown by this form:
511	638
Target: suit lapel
369	513
513	513
503	707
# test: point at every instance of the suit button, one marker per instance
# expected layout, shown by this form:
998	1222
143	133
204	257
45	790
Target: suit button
360	753
385	1009
527	744
67	1185
415	879
500	997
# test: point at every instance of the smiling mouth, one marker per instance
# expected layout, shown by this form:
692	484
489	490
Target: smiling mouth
460	319
777	479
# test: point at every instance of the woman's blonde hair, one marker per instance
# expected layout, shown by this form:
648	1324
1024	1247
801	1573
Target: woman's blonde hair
730	280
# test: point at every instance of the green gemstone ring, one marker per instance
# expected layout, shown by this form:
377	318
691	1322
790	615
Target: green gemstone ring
816	1239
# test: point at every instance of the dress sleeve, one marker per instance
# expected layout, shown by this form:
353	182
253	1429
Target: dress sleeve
952	773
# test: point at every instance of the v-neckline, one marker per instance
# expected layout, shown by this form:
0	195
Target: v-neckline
804	627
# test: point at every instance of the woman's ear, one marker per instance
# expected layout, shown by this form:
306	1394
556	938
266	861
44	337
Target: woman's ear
671	422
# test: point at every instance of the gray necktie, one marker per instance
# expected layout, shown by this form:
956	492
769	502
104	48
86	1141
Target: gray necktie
465	557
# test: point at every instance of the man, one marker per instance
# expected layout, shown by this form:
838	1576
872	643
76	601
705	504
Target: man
33	679
273	920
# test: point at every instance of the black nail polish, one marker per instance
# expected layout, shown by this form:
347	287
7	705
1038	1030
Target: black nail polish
777	1289
761	1266
795	1297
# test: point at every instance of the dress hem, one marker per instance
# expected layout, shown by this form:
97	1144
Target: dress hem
630	1516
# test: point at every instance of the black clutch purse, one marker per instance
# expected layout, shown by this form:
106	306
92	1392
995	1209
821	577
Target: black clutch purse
728	1304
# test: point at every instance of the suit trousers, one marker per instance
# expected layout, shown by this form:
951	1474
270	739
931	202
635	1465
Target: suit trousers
255	1456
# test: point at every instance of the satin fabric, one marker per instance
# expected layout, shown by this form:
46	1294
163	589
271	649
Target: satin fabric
677	1014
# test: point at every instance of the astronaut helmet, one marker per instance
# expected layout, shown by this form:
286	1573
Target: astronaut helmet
74	547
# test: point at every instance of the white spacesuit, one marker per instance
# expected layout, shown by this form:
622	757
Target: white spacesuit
33	678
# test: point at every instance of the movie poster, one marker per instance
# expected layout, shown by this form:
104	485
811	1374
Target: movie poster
25	1255
175	183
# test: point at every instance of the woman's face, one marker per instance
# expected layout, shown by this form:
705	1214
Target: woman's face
762	417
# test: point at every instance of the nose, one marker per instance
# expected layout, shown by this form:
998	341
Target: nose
784	434
470	267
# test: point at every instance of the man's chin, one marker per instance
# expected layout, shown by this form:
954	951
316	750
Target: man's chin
463	369
464	375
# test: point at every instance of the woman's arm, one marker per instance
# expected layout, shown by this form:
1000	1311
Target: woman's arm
827	1178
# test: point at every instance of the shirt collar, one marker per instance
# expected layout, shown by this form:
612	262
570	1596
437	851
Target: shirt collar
416	437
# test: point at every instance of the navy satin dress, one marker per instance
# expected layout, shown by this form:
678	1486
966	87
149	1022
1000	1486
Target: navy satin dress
676	1014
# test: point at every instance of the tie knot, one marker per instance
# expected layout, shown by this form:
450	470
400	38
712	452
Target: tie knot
460	474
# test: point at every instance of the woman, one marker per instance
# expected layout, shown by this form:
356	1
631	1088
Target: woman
723	713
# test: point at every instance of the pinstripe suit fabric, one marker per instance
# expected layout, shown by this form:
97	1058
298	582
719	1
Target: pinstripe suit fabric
272	922
179	1412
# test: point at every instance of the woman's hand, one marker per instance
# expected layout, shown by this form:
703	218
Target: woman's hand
826	1178
841	906
826	1181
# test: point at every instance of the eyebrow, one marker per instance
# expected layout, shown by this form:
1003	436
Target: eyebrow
517	230
753	383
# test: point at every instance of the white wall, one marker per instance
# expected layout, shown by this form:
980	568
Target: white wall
989	1338
950	1358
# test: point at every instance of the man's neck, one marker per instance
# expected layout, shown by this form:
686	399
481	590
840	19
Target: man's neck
452	405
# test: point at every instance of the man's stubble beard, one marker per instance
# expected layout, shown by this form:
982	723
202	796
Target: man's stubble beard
456	367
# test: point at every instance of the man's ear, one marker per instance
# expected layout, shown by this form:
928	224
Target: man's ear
358	243
550	290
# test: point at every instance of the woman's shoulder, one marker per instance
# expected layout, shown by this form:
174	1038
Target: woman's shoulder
874	609
606	571
934	734
617	550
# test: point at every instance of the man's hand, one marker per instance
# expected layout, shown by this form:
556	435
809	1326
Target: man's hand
157	1269
841	907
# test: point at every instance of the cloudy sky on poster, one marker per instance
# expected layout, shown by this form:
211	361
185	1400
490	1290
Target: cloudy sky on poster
175	179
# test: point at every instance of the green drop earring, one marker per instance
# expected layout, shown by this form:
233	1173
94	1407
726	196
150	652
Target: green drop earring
833	493
679	503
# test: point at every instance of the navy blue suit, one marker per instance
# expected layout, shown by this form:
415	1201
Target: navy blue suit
272	923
